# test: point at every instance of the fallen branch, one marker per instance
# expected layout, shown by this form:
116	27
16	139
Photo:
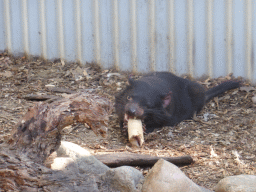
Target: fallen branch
40	97
132	159
60	90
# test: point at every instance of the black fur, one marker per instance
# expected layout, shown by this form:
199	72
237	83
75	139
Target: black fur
164	99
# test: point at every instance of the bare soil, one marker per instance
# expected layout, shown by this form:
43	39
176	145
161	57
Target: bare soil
221	139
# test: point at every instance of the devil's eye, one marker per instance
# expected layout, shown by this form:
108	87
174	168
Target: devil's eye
129	98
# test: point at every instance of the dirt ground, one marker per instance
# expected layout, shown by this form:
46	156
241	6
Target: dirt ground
221	140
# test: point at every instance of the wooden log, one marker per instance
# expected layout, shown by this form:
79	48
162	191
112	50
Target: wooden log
132	159
37	135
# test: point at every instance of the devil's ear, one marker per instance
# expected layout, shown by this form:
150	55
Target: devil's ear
131	81
167	99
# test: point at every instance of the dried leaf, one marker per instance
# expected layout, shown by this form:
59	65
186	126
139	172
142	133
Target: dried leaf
6	74
62	62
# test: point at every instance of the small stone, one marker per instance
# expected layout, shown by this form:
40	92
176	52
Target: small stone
170	134
254	99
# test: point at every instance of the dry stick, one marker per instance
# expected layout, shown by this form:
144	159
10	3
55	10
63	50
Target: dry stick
40	97
132	159
49	98
60	90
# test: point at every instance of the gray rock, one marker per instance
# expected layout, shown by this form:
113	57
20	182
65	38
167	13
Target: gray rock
91	165
125	179
239	183
165	176
205	190
86	163
81	168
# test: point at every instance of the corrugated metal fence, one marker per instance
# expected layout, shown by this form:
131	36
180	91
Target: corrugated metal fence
212	37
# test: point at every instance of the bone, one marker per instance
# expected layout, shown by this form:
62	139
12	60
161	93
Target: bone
135	132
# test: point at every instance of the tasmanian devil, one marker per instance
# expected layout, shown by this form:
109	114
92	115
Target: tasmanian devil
164	99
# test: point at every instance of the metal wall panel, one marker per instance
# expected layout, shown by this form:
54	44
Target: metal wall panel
199	37
2	27
52	37
33	29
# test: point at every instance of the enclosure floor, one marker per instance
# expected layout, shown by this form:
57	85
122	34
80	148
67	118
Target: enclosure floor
222	146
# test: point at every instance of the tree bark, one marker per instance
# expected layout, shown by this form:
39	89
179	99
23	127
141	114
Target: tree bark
37	135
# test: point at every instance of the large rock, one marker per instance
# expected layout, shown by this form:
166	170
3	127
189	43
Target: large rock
86	163
165	176
82	169
239	183
125	179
